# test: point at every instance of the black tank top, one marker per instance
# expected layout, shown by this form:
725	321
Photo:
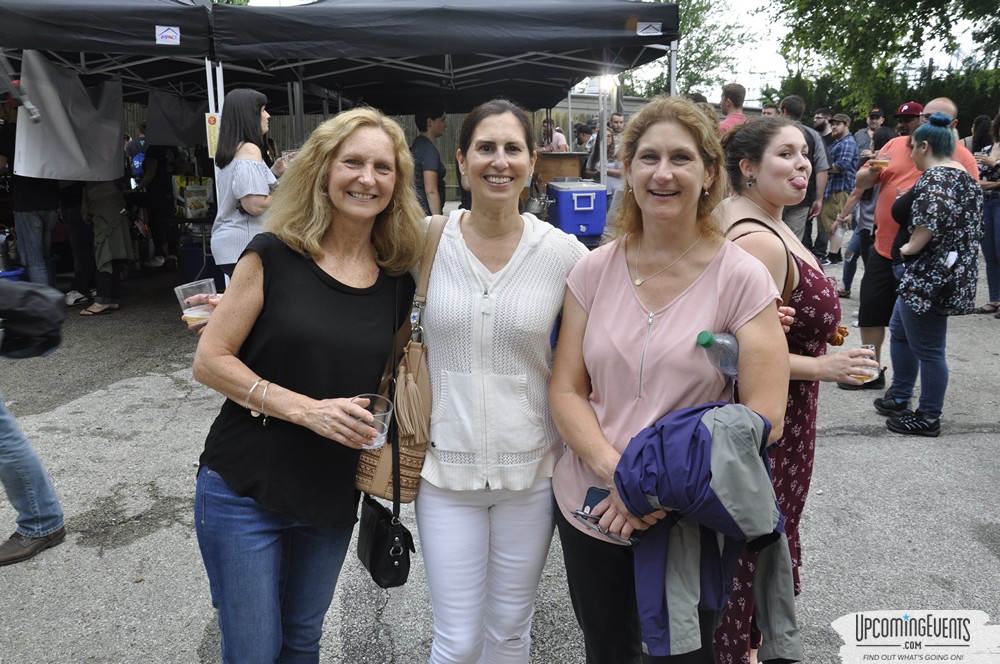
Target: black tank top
321	338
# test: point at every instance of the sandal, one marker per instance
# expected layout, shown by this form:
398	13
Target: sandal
108	309
988	308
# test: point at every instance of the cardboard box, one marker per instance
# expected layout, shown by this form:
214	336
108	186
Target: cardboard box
578	207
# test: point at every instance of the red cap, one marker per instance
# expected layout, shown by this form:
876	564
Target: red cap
910	108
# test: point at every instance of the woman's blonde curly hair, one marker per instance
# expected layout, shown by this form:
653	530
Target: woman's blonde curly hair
302	213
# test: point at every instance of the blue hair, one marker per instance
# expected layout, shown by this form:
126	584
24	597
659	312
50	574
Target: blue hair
938	134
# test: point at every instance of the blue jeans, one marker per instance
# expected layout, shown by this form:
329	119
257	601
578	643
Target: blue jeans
272	578
858	247
917	344
28	486
991	245
34	238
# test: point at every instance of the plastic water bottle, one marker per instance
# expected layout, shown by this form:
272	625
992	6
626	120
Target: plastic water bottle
723	350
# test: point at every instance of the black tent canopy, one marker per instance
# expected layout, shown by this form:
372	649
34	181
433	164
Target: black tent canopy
148	43
394	53
390	54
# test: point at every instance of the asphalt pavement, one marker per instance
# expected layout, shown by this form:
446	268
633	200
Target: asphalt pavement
892	522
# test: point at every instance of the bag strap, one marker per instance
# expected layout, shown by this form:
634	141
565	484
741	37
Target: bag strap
786	291
412	324
434	231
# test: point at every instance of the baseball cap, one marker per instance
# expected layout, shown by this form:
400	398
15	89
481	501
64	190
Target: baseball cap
840	117
910	108
875	112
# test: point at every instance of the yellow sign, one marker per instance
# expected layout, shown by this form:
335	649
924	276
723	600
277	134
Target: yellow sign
212	132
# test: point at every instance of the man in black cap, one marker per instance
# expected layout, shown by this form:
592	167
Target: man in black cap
865	138
583	133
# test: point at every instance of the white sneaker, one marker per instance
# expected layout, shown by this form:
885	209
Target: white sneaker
155	261
75	297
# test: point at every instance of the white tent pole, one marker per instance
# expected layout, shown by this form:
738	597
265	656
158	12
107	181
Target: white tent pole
300	114
673	68
220	85
602	129
570	134
210	85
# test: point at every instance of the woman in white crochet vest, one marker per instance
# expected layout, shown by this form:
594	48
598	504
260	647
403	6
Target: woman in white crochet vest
484	509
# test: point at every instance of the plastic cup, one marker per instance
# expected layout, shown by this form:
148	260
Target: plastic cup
288	155
866	374
381	410
195	314
879	161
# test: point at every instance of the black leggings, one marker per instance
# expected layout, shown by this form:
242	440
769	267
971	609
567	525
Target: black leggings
602	589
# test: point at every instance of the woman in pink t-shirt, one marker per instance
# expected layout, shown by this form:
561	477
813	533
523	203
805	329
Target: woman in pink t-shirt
627	354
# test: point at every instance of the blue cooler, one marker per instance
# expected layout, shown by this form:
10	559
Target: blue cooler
578	207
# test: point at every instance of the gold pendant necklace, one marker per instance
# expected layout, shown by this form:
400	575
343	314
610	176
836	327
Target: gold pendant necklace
639	281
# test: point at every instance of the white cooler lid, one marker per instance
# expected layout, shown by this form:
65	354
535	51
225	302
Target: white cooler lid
576	186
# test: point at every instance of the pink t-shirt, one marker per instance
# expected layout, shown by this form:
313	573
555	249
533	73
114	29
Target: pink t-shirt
635	380
730	121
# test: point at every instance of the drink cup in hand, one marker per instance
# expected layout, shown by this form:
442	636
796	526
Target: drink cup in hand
866	374
381	411
879	161
194	299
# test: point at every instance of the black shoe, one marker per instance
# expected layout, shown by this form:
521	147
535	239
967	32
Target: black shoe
888	406
19	548
835	258
877	384
914	424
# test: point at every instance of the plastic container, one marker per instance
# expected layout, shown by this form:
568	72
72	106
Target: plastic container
578	207
723	351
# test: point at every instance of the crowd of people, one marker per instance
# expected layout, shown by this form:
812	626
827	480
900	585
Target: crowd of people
710	229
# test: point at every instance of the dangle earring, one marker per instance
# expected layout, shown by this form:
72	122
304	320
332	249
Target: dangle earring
751	181
704	193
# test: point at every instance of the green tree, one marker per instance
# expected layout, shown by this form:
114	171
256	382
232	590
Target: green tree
870	45
705	53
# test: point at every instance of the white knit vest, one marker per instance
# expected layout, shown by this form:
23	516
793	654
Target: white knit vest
489	351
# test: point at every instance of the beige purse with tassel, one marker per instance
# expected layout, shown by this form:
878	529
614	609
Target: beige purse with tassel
411	396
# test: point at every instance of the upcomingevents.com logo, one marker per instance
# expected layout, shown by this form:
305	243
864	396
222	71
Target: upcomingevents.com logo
918	636
924	626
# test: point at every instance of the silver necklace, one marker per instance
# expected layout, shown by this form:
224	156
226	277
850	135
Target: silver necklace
639	281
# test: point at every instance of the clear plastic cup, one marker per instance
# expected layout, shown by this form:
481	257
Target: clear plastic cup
867	374
195	313
381	410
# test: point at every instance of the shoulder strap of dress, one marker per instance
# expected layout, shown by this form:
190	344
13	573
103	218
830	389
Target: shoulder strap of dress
786	291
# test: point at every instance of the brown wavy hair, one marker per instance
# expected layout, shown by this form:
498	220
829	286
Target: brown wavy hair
626	216
301	212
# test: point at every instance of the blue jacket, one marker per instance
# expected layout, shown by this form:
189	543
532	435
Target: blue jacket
707	465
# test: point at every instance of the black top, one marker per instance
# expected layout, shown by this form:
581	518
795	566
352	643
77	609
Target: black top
426	158
902	214
321	338
165	157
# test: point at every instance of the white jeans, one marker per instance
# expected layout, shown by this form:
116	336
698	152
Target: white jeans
483	553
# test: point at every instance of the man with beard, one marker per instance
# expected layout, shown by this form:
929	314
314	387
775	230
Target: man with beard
821	123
